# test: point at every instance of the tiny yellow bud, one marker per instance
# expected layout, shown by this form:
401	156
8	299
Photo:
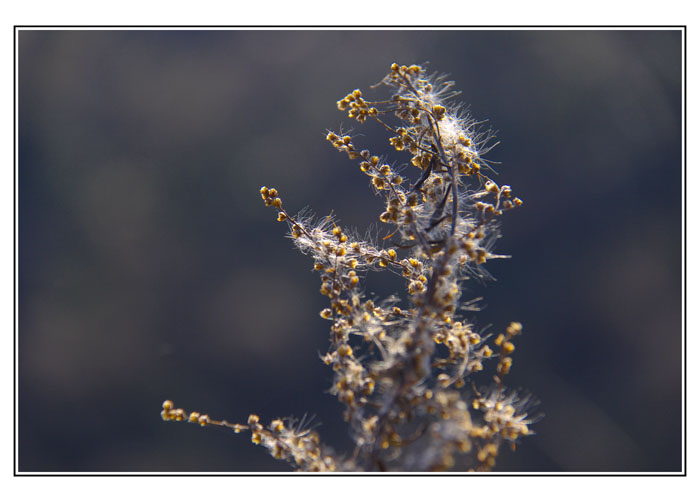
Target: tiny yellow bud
514	328
347	397
491	186
379	183
439	112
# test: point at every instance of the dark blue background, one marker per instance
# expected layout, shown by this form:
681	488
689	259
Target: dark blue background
149	267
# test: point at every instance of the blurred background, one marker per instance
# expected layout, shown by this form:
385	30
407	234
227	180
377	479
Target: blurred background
149	267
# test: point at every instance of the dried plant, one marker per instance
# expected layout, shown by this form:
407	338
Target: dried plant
406	373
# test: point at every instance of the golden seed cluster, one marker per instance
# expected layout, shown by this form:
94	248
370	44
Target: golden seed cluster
356	106
505	342
343	144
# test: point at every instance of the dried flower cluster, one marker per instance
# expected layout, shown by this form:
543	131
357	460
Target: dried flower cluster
401	371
